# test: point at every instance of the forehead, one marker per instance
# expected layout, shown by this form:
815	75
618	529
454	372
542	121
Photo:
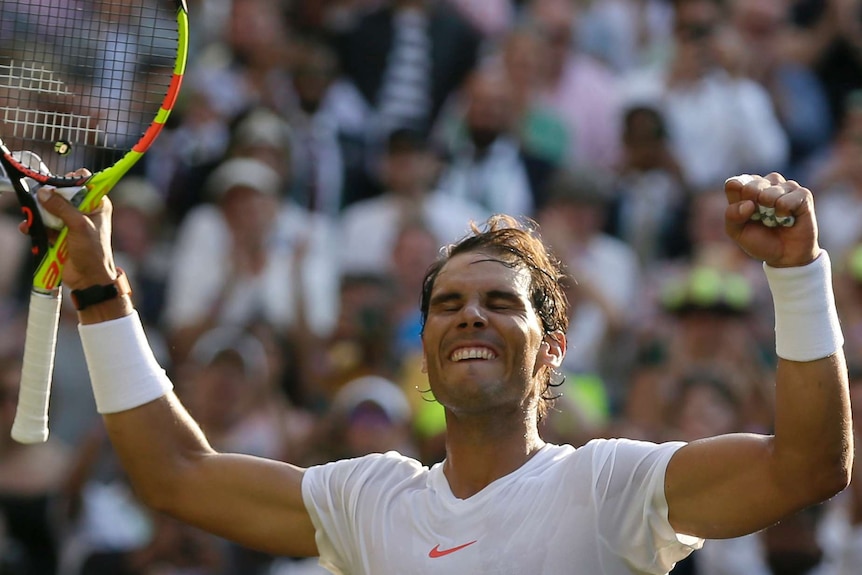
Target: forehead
479	271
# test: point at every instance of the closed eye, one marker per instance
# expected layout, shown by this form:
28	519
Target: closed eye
445	303
503	301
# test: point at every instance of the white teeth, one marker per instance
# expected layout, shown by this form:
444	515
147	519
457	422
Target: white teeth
472	353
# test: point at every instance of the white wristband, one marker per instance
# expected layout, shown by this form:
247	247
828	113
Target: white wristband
123	370
806	321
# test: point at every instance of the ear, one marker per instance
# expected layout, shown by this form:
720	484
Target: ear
553	349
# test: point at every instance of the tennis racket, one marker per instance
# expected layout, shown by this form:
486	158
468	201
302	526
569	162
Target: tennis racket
82	83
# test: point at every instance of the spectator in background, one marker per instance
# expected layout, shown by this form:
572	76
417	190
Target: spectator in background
13	264
848	297
185	154
705	106
839	177
409	170
486	163
705	402
260	233
542	132
248	65
108	531
142	242
262	134
360	344
493	18
328	159
369	414
415	249
759	47
14	256
406	57
705	325
625	34
846	551
228	385
582	90
31	486
243	65
792	546
828	40
648	208
606	270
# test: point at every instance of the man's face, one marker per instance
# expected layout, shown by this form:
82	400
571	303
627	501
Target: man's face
696	28
489	112
483	341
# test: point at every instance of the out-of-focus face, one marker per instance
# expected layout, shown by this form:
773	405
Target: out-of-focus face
759	18
415	250
556	20
525	56
706	223
408	172
249	212
482	341
704	412
256	31
312	76
220	393
851	138
696	29
644	142
131	229
370	430
490	107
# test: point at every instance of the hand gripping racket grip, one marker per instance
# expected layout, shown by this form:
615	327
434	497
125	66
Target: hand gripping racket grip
31	418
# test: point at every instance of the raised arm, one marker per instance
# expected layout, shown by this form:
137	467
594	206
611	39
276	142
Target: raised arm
253	501
732	485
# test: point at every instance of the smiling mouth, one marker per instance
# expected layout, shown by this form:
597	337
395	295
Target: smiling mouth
465	353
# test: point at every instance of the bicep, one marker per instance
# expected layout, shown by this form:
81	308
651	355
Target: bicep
253	501
727	486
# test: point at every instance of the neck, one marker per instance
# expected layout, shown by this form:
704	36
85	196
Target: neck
478	452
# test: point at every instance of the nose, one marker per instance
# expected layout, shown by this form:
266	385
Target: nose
472	315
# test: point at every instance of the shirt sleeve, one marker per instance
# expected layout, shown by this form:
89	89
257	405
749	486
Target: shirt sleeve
632	511
341	495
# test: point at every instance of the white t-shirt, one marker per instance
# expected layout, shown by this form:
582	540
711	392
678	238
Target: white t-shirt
599	509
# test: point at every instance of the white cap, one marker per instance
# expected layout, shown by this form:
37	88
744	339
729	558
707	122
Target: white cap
247	347
263	128
243	172
139	193
377	390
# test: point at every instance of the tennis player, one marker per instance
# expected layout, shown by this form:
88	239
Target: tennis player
503	501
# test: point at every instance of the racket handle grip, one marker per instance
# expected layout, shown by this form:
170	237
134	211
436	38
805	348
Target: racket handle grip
31	417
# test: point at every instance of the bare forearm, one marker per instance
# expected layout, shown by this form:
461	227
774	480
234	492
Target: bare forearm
156	442
813	424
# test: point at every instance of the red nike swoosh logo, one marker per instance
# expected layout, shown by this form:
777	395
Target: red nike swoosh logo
437	552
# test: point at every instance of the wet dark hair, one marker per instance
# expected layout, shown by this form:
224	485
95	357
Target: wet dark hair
518	244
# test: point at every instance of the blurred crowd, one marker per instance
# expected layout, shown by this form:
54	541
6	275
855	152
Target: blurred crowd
322	151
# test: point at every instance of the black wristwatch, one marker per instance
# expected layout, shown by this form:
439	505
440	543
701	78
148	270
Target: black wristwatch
84	298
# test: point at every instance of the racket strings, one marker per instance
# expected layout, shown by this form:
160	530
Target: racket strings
82	91
31	78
